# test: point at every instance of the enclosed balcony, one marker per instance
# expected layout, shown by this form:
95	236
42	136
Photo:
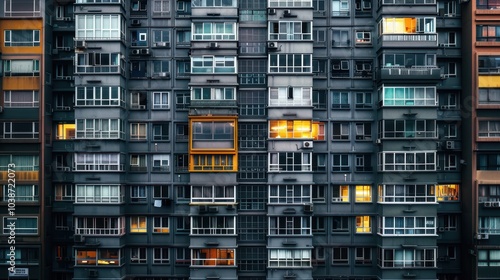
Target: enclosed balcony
405	73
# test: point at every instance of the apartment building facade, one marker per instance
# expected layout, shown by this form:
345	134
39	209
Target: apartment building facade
226	139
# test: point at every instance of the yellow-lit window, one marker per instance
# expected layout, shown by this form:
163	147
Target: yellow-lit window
399	25
363	224
340	193
109	257
86	257
447	192
138	224
290	129
65	131
212	257
363	193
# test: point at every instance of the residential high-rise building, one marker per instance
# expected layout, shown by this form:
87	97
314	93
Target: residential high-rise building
237	139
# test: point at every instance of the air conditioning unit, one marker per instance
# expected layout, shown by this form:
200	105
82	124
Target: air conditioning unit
203	209
450	145
487	204
441	229
495	204
80	44
136	52
213	45
135	22
307	144
164	74
272	45
484	236
145	52
162	44
308	208
78	238
67	19
1	109
378	141
287	13
444	107
271	11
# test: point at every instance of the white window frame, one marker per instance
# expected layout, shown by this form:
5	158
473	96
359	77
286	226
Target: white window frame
290	30
214	3
407	161
24	193
340	163
10	12
408	258
99	129
11	130
289	163
27	102
90	225
138	255
410	96
161	224
289	194
161	255
392	193
488	128
209	31
99	27
289	3
98	162
161	100
138	193
290	96
213	194
138	131
409	129
225	93
283	258
161	163
304	63
99	96
397	226
214	64
98	194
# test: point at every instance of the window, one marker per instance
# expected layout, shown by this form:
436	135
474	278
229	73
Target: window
213	93
290	3
213	225
20	99
138	131
340	193
252	197
489	193
19	130
138	193
100	96
183	37
340	38
99	194
319	162
24	256
289	225
407	161
487	5
408	129
318	225
340	8
363	68
183	224
340	224
22	225
252	72
289	258
363	131
182	255
451	69
363	38
290	63
98	162
161	38
214	3
318	193
138	38
407	25
292	194
488	161
64	192
252	102
252	167
340	255
182	102
290	30
161	255
100	225
181	132
98	129
488	64
181	163
340	100
98	63
363	7
138	255
138	224
252	228
448	222
489	257
319	37
340	68
363	193
183	194
22	38
363	255
406	193
161	132
161	163
213	194
23	193
408	96
289	162
211	31
212	134
363	163
319	7
138	163
340	163
161	192
99	27
213	257
489	129
25	8
487	33
407	258
160	225
213	64
21	67
252	136
447	192
161	69
489	225
290	129
407	226
161	8
340	131
363	224
319	99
